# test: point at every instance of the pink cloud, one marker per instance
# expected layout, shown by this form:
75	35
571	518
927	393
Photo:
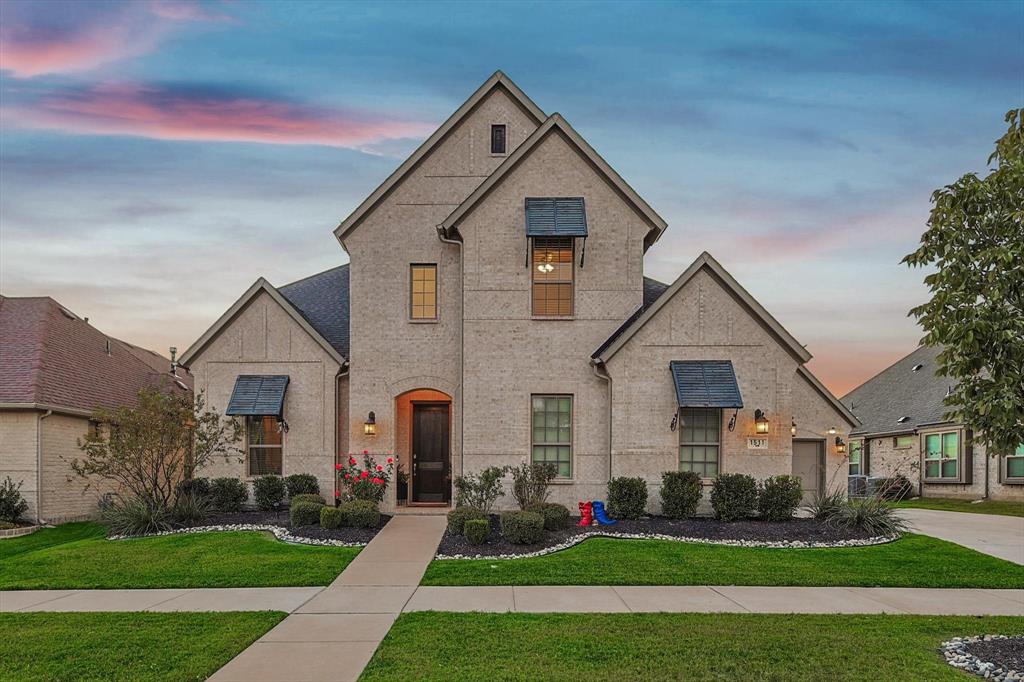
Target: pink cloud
186	10
203	114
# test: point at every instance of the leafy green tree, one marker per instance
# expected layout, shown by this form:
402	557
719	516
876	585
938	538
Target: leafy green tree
975	240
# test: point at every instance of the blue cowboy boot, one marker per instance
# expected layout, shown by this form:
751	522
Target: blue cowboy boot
600	515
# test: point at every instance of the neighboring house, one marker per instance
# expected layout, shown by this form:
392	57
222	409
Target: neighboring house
55	371
495	311
904	431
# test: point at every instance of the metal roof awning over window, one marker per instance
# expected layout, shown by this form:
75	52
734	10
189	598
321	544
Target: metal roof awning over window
556	217
257	395
706	383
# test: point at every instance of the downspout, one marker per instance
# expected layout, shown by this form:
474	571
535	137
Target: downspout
342	372
462	346
39	465
601	372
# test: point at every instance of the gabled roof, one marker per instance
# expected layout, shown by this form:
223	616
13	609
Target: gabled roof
901	391
497	80
51	358
704	262
263	286
653	289
323	299
555	123
850	417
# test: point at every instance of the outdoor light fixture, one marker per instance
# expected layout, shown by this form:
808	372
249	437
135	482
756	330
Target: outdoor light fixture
370	425
840	446
792	429
831	430
760	422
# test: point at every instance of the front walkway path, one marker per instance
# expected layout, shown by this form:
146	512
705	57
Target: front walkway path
999	536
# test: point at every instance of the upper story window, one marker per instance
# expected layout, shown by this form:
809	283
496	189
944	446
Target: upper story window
499	138
423	291
552	276
264	445
942	456
700	435
857	467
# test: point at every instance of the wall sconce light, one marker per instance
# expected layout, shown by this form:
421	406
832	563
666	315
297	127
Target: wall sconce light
831	430
760	422
792	429
840	446
370	425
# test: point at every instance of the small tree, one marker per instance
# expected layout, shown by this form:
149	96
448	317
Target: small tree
148	449
975	240
530	483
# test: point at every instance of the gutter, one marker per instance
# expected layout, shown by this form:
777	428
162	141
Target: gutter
342	372
39	464
601	372
444	237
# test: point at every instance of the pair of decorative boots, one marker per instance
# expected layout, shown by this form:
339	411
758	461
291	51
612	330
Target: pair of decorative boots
593	514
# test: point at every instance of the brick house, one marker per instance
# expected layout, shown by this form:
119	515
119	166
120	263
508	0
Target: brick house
56	370
904	431
494	311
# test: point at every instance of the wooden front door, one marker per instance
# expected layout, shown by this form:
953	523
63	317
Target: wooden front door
430	452
809	466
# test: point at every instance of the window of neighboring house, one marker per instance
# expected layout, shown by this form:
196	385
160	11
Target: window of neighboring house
423	292
903	442
552	431
700	438
499	138
263	446
942	456
552	276
856	458
1015	466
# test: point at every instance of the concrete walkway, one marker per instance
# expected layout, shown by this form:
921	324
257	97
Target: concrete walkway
208	599
998	536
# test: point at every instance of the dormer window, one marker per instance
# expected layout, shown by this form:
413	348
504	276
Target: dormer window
499	138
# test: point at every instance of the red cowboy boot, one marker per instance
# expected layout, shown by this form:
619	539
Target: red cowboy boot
586	514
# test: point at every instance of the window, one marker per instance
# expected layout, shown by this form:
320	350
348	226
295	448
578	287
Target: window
903	442
423	292
1015	466
94	429
552	276
699	440
552	432
942	456
856	458
263	444
498	139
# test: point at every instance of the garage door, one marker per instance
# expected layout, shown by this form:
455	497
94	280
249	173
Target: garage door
808	466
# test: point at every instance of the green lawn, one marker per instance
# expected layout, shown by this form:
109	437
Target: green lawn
672	646
1001	507
77	556
135	647
913	561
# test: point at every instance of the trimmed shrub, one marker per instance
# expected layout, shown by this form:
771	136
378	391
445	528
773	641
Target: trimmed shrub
228	494
627	497
530	483
894	488
556	516
480	490
306	513
477	531
12	503
134	517
268	492
457	518
307	497
302	484
522	527
870	514
734	496
190	509
680	494
779	497
360	514
331	517
193	486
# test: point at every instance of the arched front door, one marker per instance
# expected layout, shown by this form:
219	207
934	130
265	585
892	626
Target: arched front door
431	452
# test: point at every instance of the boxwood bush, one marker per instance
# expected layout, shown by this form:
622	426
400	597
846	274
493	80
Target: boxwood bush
627	497
228	494
680	494
306	513
734	496
302	484
556	516
331	517
193	486
457	518
477	530
307	497
779	497
268	491
522	527
360	513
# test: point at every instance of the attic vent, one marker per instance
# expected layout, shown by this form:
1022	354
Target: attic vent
902	420
67	313
106	347
917	368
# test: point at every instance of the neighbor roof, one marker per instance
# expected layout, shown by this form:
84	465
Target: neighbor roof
901	391
51	358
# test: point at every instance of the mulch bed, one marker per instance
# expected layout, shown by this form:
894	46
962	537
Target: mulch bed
795	530
280	518
1007	654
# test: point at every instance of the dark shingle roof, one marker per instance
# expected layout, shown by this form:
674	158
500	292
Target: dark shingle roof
323	299
900	391
652	290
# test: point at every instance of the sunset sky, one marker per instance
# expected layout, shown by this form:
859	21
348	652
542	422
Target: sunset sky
158	156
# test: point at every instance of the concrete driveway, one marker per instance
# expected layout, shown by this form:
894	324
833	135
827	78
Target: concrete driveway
999	536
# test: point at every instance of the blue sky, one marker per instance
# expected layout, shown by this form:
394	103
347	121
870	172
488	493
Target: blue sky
156	157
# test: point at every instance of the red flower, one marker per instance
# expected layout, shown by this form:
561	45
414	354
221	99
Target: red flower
377	480
380	468
364	474
348	476
352	461
366	452
390	460
337	467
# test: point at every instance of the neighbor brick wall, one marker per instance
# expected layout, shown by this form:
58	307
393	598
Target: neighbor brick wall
18	452
65	495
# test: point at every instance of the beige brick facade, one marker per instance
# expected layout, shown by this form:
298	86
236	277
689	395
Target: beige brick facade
19	450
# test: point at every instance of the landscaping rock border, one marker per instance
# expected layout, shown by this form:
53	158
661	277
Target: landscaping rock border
279	532
958	654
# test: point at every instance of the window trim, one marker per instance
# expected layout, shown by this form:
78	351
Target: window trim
896	440
437	307
490	138
249	446
572	433
1005	467
571	281
860	460
718	445
961	463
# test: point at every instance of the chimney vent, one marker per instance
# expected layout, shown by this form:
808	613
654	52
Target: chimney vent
174	361
107	347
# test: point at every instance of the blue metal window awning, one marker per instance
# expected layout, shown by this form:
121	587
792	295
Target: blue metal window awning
706	383
257	395
556	217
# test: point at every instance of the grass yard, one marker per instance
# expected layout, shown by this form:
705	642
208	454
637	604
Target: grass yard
136	647
1001	507
77	556
670	646
913	561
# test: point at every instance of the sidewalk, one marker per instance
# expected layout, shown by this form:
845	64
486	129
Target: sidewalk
998	536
